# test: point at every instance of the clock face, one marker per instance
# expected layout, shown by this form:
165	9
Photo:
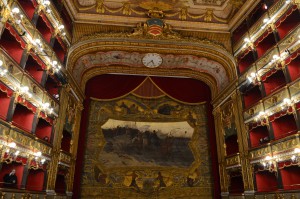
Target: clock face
152	60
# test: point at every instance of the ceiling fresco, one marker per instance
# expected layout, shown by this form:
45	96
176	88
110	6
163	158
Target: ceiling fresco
127	11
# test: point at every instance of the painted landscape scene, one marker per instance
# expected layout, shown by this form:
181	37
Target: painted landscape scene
130	143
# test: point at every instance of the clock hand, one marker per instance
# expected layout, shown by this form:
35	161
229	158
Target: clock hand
150	62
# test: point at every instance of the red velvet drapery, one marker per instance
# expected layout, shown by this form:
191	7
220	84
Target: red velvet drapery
111	86
7	168
35	180
266	181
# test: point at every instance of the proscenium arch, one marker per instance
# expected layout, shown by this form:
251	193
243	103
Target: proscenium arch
203	49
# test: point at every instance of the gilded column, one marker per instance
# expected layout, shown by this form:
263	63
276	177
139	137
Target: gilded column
221	150
57	141
79	108
243	145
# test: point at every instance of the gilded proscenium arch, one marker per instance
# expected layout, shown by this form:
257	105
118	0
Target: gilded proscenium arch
201	49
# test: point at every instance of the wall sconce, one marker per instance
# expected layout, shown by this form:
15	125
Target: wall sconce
46	2
24	91
61	27
38	43
15	10
261	115
46	107
266	20
252	77
12	145
269	164
296	158
3	71
287	102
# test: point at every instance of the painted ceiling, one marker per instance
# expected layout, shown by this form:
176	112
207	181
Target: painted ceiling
181	14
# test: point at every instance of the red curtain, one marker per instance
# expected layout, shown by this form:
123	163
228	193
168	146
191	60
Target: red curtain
23	118
28	6
44	26
184	89
274	82
34	69
288	21
291	177
11	45
35	180
252	96
7	168
4	101
264	43
43	130
246	60
148	89
284	126
266	181
112	86
258	133
59	48
294	69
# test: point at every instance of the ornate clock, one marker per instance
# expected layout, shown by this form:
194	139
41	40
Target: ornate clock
152	60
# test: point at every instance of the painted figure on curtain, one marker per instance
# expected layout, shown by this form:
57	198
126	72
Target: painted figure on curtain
130	143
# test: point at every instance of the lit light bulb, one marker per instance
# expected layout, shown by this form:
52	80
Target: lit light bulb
61	27
266	20
1	62
47	2
17	152
247	40
275	57
38	41
46	105
2	72
12	145
24	89
15	10
287	101
38	154
293	158
296	150
268	158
